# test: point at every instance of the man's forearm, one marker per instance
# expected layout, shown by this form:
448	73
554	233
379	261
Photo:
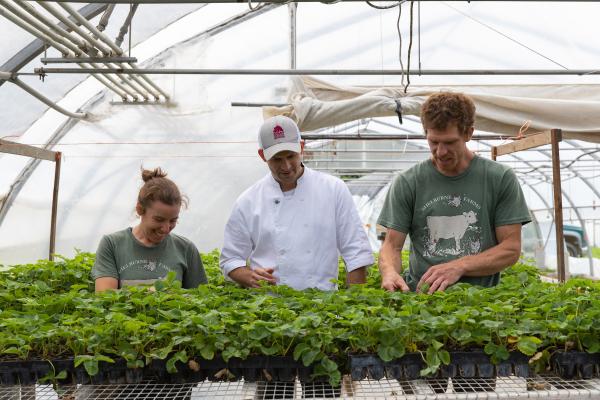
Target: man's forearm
357	276
490	261
390	260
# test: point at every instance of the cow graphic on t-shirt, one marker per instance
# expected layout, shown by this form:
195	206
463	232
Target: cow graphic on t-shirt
449	227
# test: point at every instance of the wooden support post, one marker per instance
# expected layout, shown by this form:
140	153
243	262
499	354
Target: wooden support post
552	137
556	137
40	154
54	206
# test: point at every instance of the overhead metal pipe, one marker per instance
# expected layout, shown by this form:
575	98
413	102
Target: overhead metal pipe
45	26
132	80
254	104
96	44
340	150
76	60
91	28
144	86
131	66
19	22
267	1
292	9
357	72
38	46
8	77
114	81
112	84
406	136
75	28
81	45
402	160
359	160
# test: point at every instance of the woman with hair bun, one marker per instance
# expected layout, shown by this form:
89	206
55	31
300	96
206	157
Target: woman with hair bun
148	251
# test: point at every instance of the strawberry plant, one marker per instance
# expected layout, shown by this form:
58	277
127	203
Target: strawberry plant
48	310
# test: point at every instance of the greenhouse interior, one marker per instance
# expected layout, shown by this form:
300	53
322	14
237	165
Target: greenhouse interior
94	92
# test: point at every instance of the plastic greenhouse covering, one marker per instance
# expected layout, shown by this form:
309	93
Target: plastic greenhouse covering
208	146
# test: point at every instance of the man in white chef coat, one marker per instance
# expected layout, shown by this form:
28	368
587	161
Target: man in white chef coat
290	227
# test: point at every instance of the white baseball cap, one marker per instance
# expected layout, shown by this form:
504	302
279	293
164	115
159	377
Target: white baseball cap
277	134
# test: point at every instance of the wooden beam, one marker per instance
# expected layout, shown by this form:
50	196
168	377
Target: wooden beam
54	206
529	142
26	150
494	153
555	137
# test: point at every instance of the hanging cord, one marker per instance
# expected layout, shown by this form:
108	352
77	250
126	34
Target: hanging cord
410	42
104	20
522	130
253	8
126	25
419	31
386	7
400	42
132	10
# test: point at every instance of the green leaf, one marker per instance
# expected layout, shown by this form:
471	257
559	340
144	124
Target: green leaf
384	352
160	285
91	367
208	353
490	348
329	365
300	349
61	375
80	359
309	356
444	357
528	345
523	278
179	356
100	357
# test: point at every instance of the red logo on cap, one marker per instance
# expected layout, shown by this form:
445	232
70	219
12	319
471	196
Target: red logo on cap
278	132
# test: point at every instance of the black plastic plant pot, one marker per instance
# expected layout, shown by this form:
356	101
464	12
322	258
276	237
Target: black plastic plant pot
108	373
575	364
267	368
23	372
32	371
467	364
252	369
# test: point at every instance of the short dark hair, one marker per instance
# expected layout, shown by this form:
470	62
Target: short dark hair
445	108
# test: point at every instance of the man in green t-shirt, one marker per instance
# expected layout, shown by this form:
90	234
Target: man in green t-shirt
463	213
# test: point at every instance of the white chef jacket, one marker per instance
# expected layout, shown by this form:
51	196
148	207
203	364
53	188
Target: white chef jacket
300	236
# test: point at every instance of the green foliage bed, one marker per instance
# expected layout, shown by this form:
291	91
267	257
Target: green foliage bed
48	310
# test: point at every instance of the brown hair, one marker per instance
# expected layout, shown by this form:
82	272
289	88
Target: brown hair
159	188
445	108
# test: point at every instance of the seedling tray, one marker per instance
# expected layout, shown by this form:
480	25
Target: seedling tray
470	364
23	372
252	369
575	364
